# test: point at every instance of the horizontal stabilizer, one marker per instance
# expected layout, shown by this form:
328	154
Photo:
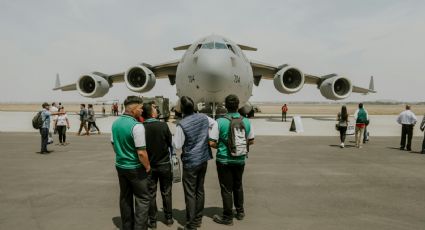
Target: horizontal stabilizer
249	48
184	47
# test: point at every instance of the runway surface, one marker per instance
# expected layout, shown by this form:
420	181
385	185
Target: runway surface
290	182
264	124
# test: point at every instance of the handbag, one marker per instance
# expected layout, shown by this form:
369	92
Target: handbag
337	126
175	166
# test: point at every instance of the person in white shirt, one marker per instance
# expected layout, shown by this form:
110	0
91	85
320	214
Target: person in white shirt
54	109
192	135
408	120
61	124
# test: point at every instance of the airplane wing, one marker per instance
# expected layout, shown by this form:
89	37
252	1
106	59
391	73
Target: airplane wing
163	70
267	71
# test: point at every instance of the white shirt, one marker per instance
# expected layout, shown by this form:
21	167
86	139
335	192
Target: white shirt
138	136
61	120
54	109
406	117
179	137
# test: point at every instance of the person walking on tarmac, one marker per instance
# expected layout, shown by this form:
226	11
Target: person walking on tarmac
342	119
361	117
284	111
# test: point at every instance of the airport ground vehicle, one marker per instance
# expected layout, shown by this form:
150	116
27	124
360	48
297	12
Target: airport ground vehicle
163	104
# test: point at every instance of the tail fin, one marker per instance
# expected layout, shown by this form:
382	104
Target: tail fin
58	82
371	84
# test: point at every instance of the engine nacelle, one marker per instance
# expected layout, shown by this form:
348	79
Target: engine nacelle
288	80
139	79
336	88
247	110
92	85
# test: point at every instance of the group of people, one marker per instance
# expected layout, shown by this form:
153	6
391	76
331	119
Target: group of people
52	115
407	119
361	118
87	119
143	153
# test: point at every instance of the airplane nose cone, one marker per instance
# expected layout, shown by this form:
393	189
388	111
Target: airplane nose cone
214	70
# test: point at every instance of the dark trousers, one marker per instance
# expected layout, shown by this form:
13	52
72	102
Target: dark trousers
194	194
230	178
365	135
164	176
62	133
283	116
342	133
44	132
134	182
406	131
94	125
423	145
83	124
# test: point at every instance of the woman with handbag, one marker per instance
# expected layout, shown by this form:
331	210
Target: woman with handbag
342	124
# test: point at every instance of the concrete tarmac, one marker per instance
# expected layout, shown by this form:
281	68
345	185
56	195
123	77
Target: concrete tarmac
264	124
290	182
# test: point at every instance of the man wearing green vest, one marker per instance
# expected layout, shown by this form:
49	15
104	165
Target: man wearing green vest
132	164
230	168
362	120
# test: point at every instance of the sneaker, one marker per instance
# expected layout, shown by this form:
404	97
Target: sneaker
342	145
240	216
222	220
169	222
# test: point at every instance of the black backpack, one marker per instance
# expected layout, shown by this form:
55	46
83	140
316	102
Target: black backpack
237	142
37	121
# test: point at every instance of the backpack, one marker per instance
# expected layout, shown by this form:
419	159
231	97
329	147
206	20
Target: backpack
37	121
237	142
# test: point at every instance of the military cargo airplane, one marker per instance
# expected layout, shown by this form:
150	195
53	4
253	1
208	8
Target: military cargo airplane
212	68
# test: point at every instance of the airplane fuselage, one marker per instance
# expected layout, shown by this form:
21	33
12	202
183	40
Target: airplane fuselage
213	68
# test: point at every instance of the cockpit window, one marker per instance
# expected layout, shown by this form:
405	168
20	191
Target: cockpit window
231	48
209	45
197	48
219	45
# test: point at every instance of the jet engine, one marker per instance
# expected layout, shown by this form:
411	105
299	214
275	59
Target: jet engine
139	79
288	80
247	110
92	85
336	88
